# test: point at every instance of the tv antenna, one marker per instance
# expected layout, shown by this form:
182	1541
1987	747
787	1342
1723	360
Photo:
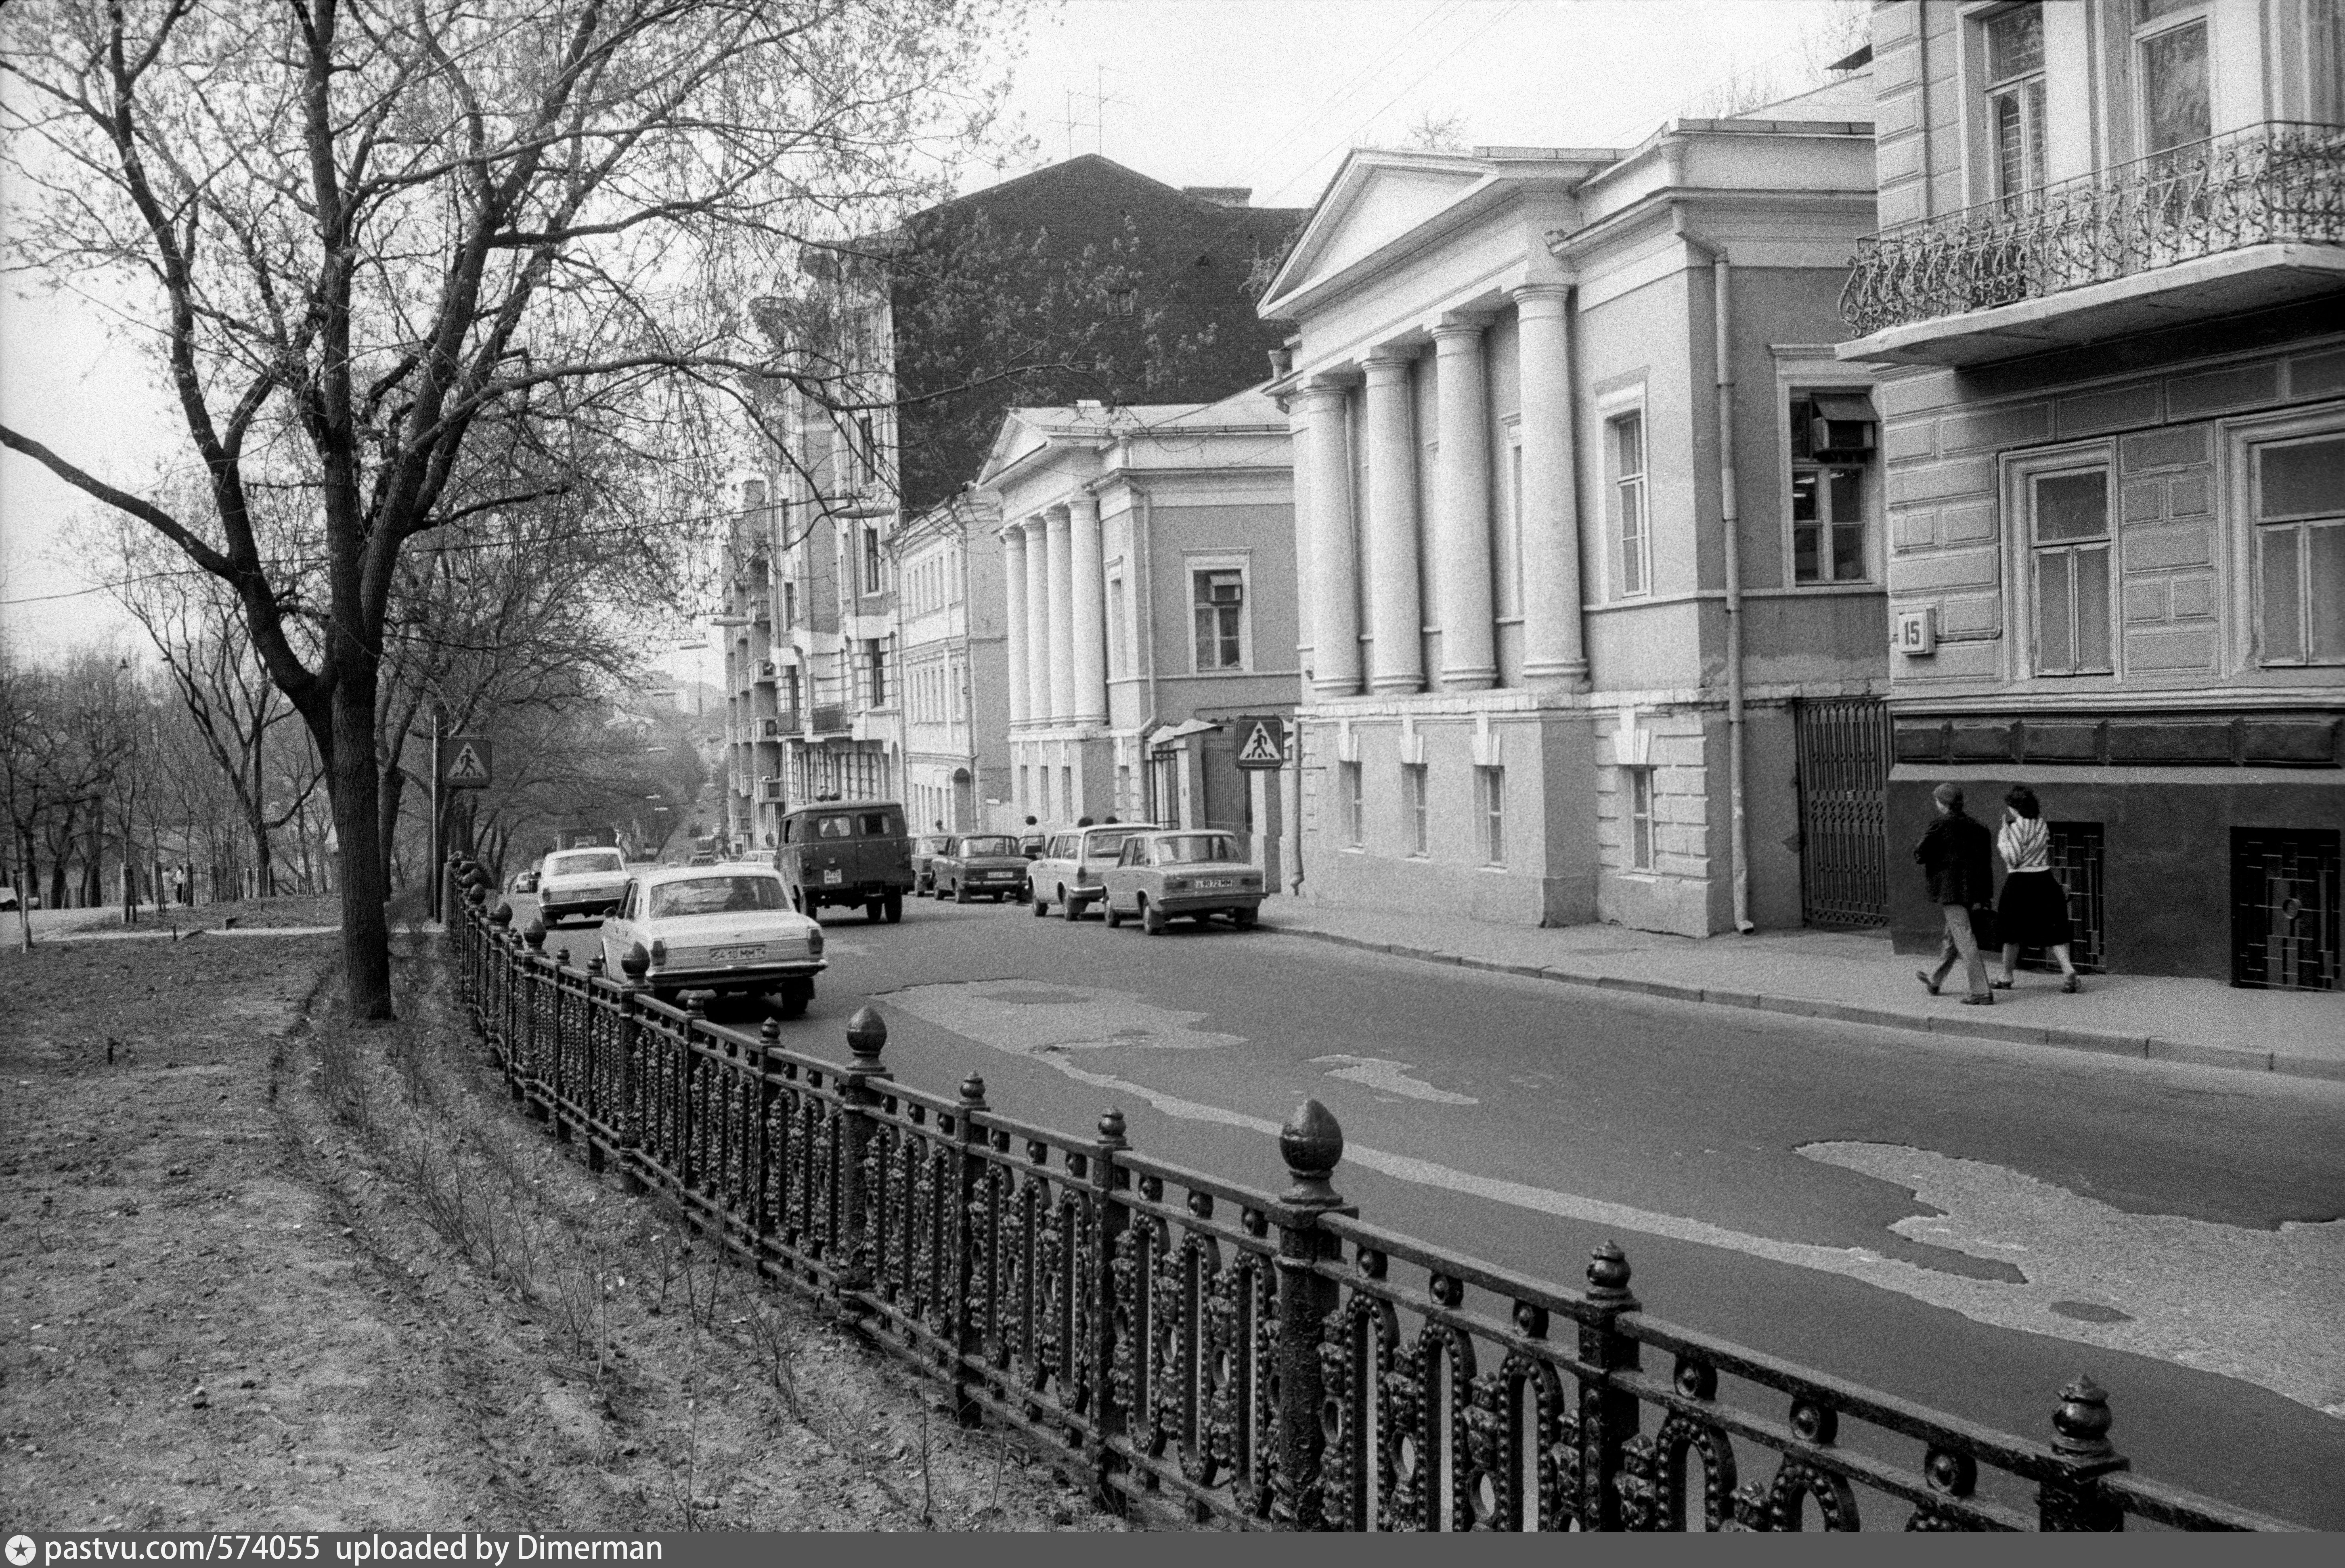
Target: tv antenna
1097	98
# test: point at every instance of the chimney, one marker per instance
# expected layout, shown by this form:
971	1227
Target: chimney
1220	194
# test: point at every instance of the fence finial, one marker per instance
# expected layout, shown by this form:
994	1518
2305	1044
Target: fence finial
636	963
973	1092
535	935
1312	1144
2082	1420
867	1036
501	916
1608	1272
1110	1127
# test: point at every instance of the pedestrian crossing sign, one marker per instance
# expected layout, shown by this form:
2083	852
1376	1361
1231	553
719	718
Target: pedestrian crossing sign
465	763
1265	743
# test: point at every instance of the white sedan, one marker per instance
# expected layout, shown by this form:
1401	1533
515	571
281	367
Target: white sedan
724	928
579	882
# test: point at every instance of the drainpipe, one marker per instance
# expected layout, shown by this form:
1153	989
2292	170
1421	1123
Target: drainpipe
1730	524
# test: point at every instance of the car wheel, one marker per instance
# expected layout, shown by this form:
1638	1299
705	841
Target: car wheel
871	911
1042	905
1152	919
960	893
1111	914
1243	919
796	995
1069	908
893	907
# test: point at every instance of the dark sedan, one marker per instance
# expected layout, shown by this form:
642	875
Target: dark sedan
978	865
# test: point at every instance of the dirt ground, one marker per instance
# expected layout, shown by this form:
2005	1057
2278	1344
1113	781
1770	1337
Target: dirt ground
260	1271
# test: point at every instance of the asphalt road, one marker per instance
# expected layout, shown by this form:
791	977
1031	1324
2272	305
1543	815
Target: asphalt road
2174	1230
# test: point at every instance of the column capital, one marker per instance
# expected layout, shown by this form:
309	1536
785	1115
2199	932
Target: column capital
1386	366
1320	392
1540	299
1458	328
1082	505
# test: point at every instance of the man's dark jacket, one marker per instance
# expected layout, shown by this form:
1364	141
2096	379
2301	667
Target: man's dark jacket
1957	855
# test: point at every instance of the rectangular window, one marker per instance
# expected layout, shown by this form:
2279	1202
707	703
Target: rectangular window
1624	473
1491	807
1414	793
2324	62
1067	793
2069	527
1025	790
1347	778
1218	598
871	561
2015	98
1507	554
1116	622
1640	818
1832	445
2299	508
2170	80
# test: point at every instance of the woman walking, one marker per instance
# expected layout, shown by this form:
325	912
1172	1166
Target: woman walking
2033	911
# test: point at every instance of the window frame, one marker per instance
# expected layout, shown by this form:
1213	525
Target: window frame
1353	803
1506	548
1638	820
2021	471
1610	414
1417	813
2140	36
1198	562
2030	90
1490	813
1803	378
2238	442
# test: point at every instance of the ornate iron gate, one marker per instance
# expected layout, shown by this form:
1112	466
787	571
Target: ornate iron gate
2074	856
1844	765
2284	909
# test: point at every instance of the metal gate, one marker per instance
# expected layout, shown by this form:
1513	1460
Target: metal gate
2284	908
2074	853
1843	766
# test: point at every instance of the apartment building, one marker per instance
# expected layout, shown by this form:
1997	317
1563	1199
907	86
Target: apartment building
954	661
1590	531
2108	305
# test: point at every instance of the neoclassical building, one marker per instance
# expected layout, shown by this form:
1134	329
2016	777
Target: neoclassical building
1148	564
1588	531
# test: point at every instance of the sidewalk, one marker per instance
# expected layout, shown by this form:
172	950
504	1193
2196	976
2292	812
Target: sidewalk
1854	978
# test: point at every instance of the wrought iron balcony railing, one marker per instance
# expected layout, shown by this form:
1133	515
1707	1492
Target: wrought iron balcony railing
2281	182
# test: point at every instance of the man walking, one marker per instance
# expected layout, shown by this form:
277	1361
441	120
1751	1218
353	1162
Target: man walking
1955	855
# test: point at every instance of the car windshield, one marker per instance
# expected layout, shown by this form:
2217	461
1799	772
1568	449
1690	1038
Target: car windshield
583	860
934	845
1196	848
716	896
989	843
1105	845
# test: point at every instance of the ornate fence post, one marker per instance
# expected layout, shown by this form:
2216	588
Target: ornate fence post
960	1272
683	1164
2081	1439
522	1059
867	1036
1109	1179
634	965
1312	1144
1607	1418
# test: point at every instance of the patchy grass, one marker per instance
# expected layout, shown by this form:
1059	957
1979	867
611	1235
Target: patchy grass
259	1268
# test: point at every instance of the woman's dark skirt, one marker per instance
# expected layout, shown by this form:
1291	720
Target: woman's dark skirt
2033	911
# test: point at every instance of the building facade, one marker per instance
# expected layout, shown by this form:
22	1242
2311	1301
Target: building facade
2107	301
1085	277
955	672
1590	526
1148	575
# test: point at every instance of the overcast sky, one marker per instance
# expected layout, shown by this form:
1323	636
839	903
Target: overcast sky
1266	93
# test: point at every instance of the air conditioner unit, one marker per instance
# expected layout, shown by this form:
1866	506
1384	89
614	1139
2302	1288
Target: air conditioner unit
769	792
1843	426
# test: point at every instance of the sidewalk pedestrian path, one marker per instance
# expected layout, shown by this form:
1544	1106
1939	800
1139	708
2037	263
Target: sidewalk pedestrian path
1854	978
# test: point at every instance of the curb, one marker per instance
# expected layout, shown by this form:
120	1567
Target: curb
2148	1047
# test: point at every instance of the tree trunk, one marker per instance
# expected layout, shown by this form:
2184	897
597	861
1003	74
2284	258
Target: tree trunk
352	789
393	799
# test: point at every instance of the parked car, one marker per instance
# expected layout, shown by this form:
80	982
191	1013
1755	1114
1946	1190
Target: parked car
524	881
924	850
7	897
728	929
1182	874
1069	870
579	882
847	852
979	866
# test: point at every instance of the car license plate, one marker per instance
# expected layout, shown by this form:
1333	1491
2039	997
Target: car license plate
833	878
1215	882
737	954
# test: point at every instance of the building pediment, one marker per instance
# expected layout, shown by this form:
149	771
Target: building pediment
1376	200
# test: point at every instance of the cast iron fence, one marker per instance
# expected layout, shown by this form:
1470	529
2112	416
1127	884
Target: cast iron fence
1226	1354
2279	182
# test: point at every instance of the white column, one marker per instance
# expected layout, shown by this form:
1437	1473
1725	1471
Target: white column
1553	645
1461	519
1322	526
1038	625
1013	577
1298	447
1089	619
1062	620
1396	611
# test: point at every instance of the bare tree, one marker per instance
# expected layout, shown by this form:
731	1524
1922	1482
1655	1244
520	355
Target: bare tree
377	231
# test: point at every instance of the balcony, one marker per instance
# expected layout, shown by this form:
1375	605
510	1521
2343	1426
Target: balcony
2247	219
